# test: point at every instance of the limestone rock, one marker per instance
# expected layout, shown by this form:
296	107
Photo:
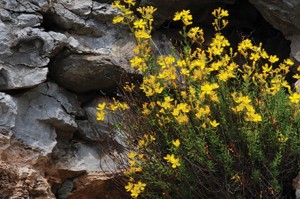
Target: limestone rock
283	15
24	55
20	181
42	112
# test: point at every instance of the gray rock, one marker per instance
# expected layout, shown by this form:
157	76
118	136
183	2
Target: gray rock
93	67
25	6
296	185
24	54
295	47
94	130
8	112
283	15
81	73
42	112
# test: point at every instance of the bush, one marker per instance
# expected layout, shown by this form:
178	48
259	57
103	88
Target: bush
215	121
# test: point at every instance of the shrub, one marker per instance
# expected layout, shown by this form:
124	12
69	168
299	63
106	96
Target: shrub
215	121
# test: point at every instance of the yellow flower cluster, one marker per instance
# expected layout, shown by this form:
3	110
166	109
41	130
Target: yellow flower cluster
104	107
135	189
101	111
282	138
220	23
185	16
245	106
186	90
174	161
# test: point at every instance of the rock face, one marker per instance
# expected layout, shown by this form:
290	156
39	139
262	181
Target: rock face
57	61
284	16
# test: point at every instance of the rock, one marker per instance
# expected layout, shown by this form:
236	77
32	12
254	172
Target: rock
296	185
282	14
8	112
96	185
42	112
24	55
92	66
25	6
295	47
20	181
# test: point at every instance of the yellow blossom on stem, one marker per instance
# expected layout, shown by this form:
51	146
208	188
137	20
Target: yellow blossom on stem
295	98
135	189
141	34
141	23
176	142
184	16
214	123
208	88
130	2
273	59
101	111
131	155
118	19
174	161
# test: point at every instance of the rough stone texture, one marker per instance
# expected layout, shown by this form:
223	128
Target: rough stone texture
25	49
43	111
296	185
20	181
284	16
101	54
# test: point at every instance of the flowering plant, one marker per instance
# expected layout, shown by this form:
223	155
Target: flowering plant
216	122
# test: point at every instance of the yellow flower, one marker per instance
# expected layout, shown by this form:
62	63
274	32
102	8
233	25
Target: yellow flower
273	59
101	112
157	88
182	107
254	56
141	34
185	17
267	69
254	117
135	189
164	62
202	112
101	106
118	19
214	123
176	143
130	2
128	87
129	186
208	88
136	61
174	161
139	24
131	155
196	34
147	11
166	104
100	116
288	62
297	76
177	16
245	45
224	75
182	118
295	98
